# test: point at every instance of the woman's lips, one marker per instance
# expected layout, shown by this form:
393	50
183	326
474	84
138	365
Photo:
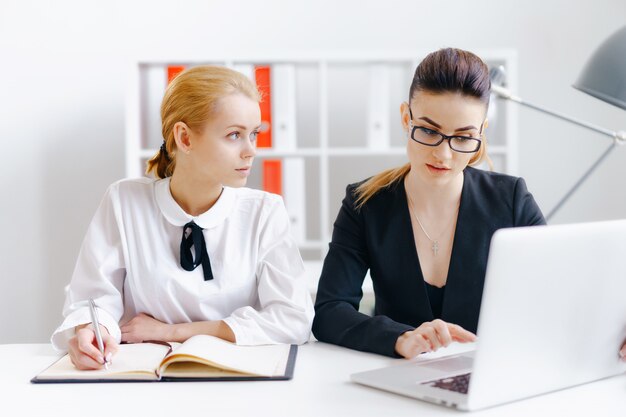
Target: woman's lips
436	169
244	171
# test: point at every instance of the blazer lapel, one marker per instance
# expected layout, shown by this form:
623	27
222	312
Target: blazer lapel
413	279
466	273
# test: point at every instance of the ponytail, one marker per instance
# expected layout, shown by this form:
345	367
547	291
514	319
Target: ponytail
161	164
366	190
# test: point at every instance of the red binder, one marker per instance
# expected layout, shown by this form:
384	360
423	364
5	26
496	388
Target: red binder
173	71
273	176
263	83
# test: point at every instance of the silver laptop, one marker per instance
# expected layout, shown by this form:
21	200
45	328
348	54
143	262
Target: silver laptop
553	316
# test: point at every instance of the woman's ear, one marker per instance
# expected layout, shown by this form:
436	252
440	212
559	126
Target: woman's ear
404	116
182	136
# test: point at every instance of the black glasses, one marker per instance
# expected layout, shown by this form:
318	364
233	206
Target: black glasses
429	137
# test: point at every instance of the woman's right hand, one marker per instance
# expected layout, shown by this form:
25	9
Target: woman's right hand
430	336
83	348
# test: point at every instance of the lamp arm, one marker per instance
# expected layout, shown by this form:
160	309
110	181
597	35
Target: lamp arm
619	138
504	93
581	180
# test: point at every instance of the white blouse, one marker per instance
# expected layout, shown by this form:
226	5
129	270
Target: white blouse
129	263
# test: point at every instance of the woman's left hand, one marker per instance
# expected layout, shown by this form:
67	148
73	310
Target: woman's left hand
143	327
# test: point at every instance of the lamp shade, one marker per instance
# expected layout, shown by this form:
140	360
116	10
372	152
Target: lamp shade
604	76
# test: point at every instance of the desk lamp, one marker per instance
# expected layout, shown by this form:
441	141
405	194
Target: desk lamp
604	77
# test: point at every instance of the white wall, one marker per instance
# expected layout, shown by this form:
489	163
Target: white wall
62	73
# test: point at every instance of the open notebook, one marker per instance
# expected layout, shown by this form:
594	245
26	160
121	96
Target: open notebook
200	358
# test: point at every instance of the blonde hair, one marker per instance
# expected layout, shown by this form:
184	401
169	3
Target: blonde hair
191	98
367	189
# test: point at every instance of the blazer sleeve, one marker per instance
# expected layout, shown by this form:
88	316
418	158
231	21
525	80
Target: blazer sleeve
337	319
526	212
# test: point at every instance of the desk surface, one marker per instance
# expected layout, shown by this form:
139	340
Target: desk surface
321	387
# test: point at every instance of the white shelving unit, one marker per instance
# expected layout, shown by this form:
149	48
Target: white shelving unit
347	124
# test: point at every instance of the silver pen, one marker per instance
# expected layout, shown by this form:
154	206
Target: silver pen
96	328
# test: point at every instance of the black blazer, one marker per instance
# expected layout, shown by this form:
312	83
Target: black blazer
379	237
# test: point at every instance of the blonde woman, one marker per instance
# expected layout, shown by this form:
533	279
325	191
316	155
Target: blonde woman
192	252
423	229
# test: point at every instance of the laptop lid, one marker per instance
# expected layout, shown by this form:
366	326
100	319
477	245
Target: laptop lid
553	313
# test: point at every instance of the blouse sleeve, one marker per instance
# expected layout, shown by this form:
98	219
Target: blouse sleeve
99	274
285	310
337	319
526	212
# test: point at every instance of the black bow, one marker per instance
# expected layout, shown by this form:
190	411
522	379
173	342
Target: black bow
194	238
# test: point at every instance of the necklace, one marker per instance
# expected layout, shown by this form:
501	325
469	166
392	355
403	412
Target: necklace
434	242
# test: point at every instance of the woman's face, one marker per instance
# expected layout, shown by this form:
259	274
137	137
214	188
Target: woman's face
452	114
224	150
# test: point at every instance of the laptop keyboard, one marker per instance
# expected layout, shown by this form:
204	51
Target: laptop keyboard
457	383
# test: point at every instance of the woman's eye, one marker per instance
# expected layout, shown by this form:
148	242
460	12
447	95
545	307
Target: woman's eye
233	136
253	136
462	138
429	132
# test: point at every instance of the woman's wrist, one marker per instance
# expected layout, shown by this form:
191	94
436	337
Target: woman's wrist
175	333
183	331
82	326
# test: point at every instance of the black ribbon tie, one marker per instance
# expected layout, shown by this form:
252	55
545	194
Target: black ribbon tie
192	236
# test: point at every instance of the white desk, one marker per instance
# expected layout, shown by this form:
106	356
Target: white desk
320	388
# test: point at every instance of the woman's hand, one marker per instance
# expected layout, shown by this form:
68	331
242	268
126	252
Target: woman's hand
431	336
622	352
143	327
83	348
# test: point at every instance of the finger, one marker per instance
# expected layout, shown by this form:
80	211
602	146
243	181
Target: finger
418	343
459	334
128	328
430	334
410	344
415	345
82	361
131	337
622	352
79	359
442	332
85	339
110	347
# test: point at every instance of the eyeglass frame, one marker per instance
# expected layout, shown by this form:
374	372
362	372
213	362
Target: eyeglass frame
443	136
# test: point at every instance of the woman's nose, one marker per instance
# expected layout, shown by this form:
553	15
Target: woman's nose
249	149
443	150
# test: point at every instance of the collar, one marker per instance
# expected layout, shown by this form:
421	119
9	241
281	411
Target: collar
178	217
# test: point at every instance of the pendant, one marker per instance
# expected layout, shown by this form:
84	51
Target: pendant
435	247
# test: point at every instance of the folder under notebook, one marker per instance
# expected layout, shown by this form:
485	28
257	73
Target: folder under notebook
201	358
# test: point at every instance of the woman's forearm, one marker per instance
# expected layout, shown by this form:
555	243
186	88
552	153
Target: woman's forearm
218	328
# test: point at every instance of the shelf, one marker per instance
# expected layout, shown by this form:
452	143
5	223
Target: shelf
335	121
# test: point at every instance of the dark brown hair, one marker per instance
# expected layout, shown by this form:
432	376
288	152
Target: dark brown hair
447	70
452	70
